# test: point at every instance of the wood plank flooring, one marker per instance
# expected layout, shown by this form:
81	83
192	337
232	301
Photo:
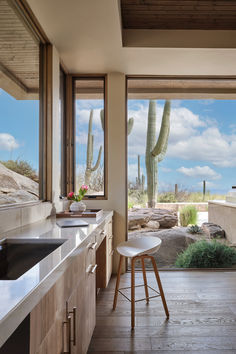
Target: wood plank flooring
202	308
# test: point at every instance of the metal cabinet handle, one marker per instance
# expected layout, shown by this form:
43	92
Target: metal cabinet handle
93	269
69	336
67	350
73	313
92	245
102	233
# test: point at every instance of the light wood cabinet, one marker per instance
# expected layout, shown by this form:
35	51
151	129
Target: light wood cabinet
104	255
64	320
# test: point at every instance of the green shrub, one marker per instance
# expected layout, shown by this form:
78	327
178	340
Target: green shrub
22	167
203	254
195	229
167	197
188	215
130	205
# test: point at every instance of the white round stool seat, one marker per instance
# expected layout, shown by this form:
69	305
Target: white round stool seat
139	246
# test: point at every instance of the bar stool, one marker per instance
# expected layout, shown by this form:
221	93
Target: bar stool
139	248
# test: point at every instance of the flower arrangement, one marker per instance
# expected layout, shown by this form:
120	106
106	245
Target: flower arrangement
78	197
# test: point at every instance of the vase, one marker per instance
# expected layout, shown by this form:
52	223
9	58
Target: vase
78	207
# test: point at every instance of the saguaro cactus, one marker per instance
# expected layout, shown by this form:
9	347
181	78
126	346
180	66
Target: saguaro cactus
90	143
155	150
140	180
130	122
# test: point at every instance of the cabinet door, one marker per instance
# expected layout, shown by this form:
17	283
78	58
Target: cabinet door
75	320
90	299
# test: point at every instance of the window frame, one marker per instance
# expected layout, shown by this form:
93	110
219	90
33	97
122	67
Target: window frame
27	17
72	133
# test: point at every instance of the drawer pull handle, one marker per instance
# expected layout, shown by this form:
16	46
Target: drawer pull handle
66	338
93	269
73	312
93	246
69	337
102	233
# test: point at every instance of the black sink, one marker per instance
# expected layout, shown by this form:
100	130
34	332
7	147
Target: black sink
17	256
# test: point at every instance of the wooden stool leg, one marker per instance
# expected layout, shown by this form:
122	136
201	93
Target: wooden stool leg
160	286
145	279
117	282
132	293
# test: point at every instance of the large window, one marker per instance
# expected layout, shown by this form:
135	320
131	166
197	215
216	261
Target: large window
90	128
19	113
180	155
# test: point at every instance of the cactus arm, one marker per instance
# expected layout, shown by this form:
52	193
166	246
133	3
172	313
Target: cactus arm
130	125
94	168
102	118
162	154
164	131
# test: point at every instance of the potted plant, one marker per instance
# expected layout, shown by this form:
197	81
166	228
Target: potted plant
77	205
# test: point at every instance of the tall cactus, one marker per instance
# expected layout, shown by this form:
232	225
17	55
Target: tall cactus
130	122
90	143
155	151
140	180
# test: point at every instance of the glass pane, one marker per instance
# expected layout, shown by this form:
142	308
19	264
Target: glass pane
193	165
19	113
89	134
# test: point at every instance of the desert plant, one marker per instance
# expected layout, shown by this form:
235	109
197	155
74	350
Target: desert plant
89	161
188	215
195	229
167	197
155	150
140	180
206	254
22	167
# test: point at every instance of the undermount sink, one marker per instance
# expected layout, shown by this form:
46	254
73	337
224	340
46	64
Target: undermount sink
17	256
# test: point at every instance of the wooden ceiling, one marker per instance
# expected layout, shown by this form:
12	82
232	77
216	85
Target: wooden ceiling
19	51
179	14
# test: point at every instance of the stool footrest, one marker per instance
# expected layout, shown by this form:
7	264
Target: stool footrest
138	286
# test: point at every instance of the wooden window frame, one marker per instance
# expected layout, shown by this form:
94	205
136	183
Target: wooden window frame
45	102
70	133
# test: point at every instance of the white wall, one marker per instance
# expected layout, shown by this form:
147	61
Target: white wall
116	159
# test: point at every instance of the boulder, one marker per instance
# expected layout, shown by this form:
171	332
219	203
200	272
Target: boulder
20	196
153	225
174	241
136	221
166	218
213	230
15	188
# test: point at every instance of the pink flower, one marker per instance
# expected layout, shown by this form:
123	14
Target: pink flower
70	195
84	187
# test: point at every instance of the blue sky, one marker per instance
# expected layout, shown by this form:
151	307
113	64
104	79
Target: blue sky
202	144
19	129
202	141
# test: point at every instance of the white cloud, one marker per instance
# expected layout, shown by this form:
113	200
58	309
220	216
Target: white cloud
203	172
192	137
8	142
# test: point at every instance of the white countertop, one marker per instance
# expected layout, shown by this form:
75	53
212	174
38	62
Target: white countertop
20	296
223	203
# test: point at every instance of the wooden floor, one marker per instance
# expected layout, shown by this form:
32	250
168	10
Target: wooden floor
202	308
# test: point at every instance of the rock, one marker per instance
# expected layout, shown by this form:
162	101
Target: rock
174	241
15	188
166	218
154	225
213	230
20	196
136	221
